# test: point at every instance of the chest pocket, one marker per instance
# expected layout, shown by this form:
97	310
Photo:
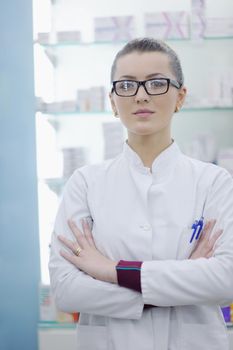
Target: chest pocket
185	248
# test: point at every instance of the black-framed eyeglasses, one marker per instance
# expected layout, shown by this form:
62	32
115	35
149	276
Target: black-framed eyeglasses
156	86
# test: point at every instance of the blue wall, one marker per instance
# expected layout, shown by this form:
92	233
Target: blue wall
19	241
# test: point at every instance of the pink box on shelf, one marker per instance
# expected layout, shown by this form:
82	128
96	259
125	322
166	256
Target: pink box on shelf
116	28
168	25
198	18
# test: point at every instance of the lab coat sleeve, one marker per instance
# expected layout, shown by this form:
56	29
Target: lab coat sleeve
75	291
201	281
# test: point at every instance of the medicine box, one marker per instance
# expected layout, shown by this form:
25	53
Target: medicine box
168	25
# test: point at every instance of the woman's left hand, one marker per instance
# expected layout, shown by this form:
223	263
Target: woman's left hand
88	258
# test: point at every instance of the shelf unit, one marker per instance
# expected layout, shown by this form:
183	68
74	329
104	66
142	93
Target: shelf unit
100	113
66	124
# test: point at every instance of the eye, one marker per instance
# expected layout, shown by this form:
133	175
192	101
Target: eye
126	85
157	83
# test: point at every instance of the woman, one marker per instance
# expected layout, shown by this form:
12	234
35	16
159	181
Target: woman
141	269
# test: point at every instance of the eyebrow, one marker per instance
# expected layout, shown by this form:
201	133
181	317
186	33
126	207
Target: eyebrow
148	76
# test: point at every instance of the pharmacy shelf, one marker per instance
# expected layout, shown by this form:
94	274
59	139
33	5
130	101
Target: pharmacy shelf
56	325
55	184
98	43
59	325
99	113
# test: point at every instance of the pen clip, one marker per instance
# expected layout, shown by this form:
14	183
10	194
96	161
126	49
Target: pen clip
197	227
200	225
194	227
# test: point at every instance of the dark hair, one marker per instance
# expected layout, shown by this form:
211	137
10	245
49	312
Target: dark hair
150	45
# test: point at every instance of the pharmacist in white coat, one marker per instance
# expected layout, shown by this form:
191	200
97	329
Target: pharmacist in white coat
152	268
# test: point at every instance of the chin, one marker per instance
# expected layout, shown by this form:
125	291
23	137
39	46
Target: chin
143	132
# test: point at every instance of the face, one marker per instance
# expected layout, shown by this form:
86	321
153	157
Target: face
145	114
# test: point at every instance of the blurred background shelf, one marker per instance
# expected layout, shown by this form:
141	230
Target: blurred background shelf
101	113
112	43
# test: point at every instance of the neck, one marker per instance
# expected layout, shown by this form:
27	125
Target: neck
148	147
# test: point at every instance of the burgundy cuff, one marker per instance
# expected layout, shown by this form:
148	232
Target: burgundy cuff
129	274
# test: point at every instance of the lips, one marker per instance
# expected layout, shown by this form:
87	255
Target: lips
144	112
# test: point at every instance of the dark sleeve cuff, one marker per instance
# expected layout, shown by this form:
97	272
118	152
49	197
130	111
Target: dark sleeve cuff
129	274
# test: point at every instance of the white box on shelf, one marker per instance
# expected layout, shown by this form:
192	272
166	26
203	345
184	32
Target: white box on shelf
115	28
53	107
91	100
113	139
44	38
218	27
73	158
97	98
168	25
83	101
225	159
220	87
68	36
68	106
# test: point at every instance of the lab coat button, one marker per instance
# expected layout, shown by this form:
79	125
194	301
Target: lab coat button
145	227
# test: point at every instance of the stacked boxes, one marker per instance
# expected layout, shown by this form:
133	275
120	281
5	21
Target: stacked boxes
113	139
91	100
97	98
117	28
83	101
220	89
73	158
168	25
87	100
68	37
56	107
46	38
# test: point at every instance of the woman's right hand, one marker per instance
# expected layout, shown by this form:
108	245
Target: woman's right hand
206	244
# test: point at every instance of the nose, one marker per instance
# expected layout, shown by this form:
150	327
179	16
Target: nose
142	95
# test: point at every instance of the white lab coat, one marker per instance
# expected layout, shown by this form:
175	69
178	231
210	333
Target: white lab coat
139	215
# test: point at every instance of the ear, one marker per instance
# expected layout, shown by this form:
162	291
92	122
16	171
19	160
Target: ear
112	103
181	96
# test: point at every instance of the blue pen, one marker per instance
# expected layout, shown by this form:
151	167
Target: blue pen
200	224
197	227
194	227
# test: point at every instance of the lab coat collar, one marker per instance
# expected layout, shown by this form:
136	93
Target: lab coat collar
161	166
